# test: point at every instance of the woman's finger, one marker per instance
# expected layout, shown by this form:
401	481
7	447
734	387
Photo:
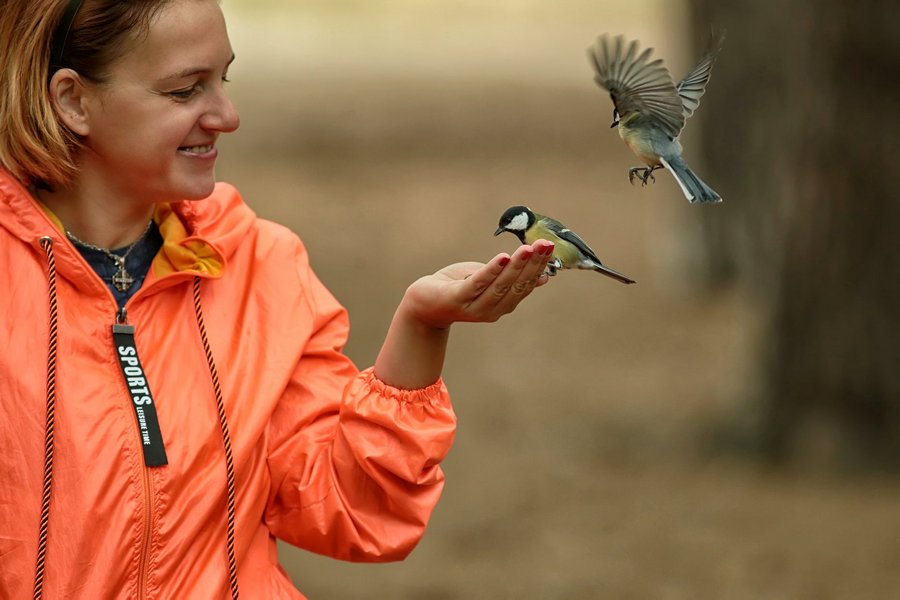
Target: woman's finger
528	278
518	277
478	281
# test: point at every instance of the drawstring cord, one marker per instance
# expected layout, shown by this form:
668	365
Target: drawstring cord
229	462
47	245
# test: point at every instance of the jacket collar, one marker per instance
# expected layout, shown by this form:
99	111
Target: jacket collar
198	236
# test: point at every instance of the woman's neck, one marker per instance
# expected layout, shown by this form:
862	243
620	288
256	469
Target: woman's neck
97	219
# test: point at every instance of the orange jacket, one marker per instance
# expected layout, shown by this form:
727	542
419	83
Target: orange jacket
324	457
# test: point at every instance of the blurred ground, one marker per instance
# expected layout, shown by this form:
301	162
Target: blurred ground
391	136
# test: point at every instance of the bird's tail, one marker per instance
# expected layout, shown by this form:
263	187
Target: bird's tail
611	273
694	189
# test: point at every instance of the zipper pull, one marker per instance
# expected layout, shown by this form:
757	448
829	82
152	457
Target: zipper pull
122	316
139	392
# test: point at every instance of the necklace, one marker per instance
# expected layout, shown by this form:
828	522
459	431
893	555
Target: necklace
122	279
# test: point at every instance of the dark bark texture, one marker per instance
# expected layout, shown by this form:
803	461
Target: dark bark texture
802	134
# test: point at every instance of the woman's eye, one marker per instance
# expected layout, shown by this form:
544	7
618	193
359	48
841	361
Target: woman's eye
185	94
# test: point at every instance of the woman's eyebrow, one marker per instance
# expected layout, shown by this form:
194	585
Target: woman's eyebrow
190	71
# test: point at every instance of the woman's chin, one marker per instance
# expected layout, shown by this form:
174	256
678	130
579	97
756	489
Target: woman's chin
198	190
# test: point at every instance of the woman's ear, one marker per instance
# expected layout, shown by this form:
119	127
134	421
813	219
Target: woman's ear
67	94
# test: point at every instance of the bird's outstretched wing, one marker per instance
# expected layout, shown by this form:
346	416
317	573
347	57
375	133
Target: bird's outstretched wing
693	86
635	83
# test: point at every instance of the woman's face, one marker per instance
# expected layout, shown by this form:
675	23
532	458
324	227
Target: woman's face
153	126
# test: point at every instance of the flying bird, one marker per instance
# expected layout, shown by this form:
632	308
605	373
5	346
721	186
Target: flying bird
650	110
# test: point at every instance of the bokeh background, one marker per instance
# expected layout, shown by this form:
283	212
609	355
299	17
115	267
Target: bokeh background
725	429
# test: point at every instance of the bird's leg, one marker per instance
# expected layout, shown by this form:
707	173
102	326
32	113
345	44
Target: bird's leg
648	174
633	174
553	266
644	174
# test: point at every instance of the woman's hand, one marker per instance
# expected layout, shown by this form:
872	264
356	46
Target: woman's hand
477	292
413	352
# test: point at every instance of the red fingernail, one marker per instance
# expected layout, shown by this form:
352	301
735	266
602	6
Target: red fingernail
527	254
504	261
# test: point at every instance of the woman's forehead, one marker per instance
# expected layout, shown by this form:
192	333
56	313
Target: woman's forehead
185	35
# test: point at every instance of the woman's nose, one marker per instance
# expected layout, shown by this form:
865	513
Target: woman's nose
222	115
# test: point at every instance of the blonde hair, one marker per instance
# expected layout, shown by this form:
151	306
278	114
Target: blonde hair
35	146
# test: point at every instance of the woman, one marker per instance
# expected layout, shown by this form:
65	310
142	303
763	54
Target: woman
173	396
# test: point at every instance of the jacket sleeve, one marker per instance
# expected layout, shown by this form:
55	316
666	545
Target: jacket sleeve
353	461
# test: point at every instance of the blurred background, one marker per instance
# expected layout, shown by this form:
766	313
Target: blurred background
729	427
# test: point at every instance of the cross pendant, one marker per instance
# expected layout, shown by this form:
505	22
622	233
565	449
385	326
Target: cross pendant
122	279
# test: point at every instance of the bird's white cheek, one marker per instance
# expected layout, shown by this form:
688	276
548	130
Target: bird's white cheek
519	222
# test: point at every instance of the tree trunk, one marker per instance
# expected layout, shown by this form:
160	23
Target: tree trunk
801	131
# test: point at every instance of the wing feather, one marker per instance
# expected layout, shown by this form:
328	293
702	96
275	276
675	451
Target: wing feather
636	84
570	236
693	86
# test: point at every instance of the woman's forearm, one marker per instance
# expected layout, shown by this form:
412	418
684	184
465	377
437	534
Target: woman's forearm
412	355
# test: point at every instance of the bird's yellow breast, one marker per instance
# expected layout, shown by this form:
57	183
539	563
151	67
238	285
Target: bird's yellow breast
563	250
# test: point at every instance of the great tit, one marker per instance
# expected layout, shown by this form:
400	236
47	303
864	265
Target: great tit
569	252
650	110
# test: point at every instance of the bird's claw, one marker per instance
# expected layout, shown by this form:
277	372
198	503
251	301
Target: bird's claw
632	173
553	266
642	173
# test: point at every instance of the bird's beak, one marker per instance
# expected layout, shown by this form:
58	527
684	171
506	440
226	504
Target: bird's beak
499	231
614	123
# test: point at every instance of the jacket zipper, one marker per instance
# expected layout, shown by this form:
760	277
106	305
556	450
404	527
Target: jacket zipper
144	558
143	564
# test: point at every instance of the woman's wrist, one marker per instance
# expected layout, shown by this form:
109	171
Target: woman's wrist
412	356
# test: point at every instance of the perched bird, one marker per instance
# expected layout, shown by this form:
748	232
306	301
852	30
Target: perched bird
569	252
650	110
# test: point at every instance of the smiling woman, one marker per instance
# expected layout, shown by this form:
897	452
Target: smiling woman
148	122
178	398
